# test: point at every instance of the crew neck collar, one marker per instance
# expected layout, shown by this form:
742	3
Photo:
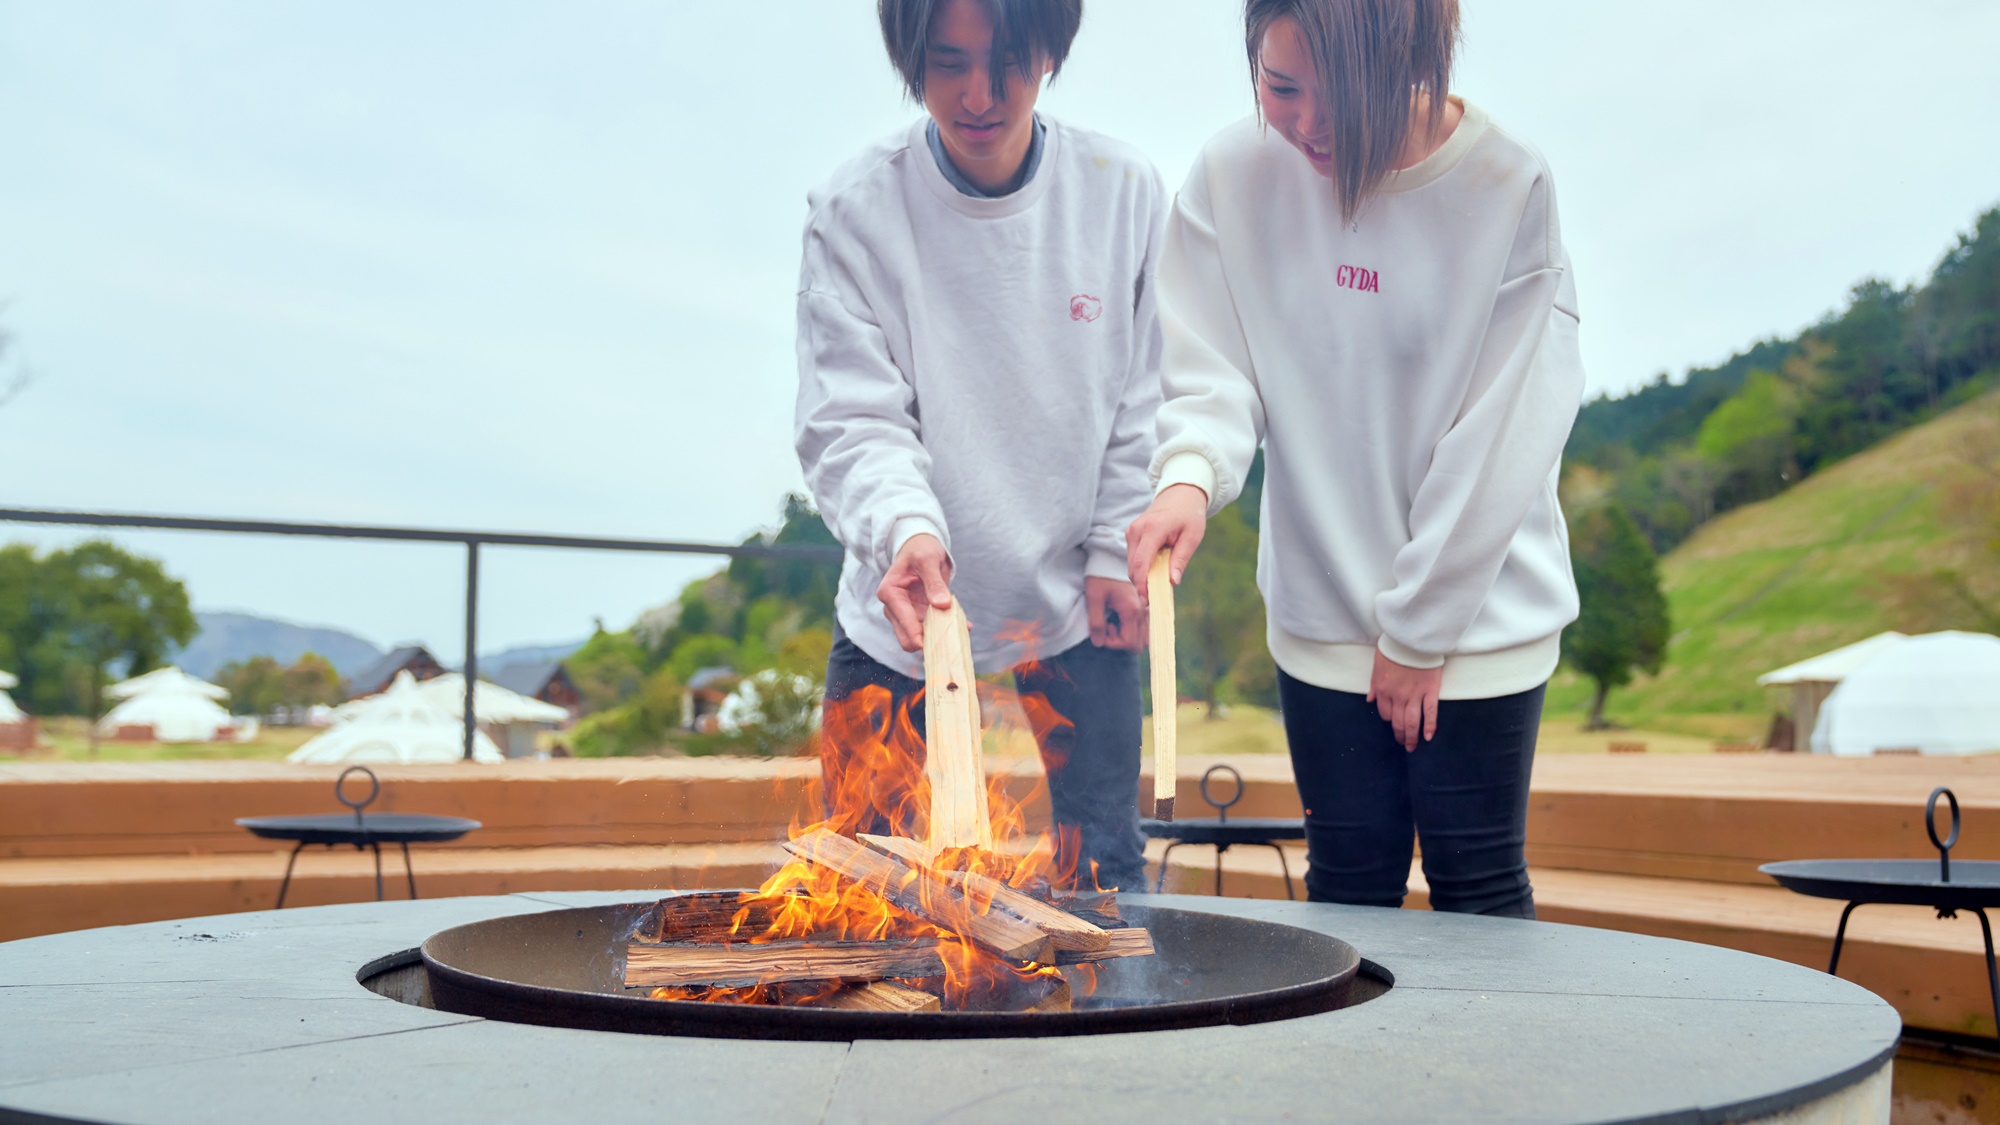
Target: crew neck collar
981	207
1428	170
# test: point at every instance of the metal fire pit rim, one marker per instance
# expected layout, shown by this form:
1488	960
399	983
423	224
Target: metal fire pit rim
458	990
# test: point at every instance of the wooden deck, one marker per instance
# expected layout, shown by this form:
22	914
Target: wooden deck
1665	845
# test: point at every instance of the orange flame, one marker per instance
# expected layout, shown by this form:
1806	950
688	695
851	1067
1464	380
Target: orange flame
871	753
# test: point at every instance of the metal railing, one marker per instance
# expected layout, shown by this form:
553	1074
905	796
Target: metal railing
473	540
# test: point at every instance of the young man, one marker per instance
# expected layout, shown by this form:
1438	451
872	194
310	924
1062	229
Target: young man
978	374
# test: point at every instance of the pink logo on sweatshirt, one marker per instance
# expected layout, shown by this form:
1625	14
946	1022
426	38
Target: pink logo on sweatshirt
1085	307
1358	279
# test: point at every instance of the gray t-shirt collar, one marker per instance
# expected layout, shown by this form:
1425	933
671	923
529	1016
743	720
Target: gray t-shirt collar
957	178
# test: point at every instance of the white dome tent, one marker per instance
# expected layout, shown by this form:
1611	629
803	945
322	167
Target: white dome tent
167	679
403	724
1935	694
9	713
171	715
514	718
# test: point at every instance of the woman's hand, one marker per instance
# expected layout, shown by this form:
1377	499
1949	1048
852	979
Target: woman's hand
1117	616
1407	698
919	580
1178	518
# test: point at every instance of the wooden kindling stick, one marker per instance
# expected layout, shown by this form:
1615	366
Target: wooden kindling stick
953	761
1160	642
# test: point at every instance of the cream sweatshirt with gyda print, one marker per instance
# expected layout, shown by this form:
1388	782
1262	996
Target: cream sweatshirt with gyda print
1412	376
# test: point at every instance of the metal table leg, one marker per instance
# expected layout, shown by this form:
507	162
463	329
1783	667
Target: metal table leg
287	884
1286	867
1219	849
1840	935
1992	976
1160	884
378	869
409	872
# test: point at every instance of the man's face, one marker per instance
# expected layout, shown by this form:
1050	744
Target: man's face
986	139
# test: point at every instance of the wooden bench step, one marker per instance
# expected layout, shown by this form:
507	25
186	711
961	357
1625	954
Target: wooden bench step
39	896
1933	970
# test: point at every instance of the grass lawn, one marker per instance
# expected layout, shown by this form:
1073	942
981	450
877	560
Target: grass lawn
1254	730
68	740
1807	571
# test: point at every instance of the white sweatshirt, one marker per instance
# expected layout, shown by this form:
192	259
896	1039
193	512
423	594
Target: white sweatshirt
1412	376
985	371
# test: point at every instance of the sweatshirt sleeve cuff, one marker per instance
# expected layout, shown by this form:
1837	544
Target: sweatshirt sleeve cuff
908	528
1188	467
1406	656
1106	564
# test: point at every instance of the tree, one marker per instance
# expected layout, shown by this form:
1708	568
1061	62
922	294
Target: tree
92	606
1624	623
1218	613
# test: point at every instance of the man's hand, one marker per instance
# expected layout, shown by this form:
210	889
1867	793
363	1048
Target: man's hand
1117	616
1178	518
918	581
1406	698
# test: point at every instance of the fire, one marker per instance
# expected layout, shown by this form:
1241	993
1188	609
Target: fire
873	782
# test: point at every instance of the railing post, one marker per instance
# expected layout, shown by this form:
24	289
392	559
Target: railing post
471	641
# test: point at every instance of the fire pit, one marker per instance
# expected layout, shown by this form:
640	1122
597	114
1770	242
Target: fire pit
565	968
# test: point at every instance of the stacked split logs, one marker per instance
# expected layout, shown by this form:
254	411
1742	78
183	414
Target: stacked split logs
718	946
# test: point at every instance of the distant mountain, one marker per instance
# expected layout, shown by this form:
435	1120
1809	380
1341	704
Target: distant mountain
230	637
491	662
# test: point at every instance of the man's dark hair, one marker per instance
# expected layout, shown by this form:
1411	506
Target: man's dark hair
1023	30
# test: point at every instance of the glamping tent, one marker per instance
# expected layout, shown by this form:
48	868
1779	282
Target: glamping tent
17	731
403	724
167	679
168	713
1813	680
510	717
1934	694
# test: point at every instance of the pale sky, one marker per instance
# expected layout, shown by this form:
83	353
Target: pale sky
530	266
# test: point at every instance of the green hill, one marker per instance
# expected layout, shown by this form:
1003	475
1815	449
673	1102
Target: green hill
1863	545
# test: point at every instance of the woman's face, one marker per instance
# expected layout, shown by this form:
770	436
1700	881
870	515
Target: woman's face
1288	90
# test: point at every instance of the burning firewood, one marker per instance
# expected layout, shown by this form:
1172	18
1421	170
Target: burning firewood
926	894
1066	931
672	963
880	996
1166	688
1131	941
896	923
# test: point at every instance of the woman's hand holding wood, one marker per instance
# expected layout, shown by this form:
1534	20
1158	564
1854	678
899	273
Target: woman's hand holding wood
1178	518
919	580
1406	698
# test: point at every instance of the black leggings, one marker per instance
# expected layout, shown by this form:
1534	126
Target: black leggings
1464	794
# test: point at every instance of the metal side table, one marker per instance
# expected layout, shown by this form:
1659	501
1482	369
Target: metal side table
362	831
1943	886
1224	833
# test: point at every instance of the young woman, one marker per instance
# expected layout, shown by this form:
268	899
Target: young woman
1370	283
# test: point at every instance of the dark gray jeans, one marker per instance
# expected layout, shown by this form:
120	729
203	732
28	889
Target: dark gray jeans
1464	794
1093	764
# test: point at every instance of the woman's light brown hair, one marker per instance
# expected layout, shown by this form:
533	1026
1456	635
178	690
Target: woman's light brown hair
1377	61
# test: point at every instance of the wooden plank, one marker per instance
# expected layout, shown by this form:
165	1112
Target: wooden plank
921	892
655	964
954	761
1132	941
880	996
708	917
1065	930
1166	691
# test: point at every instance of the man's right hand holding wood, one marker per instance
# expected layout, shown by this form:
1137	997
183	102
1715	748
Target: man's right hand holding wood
919	580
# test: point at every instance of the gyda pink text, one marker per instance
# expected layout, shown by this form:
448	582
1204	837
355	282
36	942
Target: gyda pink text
1356	278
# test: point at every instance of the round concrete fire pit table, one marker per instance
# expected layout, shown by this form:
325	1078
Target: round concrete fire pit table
262	1017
